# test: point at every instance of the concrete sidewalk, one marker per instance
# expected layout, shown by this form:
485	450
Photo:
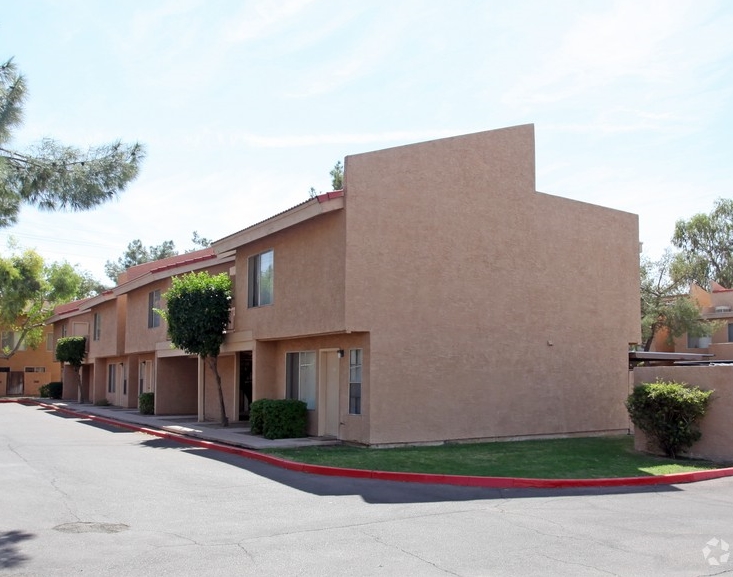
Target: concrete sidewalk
236	434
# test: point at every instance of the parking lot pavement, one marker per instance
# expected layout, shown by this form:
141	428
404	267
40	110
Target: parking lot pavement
81	497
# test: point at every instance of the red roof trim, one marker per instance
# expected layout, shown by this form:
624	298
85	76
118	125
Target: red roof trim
329	196
182	263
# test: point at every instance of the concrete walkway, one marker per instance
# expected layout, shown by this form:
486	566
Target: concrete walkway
236	434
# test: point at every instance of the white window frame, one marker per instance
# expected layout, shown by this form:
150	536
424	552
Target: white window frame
153	303
256	295
97	327
111	378
356	360
301	377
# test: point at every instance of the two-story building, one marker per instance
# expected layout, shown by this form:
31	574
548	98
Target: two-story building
26	371
439	296
126	338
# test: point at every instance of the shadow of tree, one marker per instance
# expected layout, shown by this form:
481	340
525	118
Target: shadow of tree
10	556
389	492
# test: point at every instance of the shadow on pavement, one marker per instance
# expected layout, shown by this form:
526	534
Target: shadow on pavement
10	556
390	492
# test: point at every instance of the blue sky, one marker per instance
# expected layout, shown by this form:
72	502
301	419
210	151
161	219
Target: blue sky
247	104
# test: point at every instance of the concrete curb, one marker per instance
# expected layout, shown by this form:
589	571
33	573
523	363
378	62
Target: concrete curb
426	478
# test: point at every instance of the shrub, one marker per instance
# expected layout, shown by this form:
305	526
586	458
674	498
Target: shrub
278	419
55	389
43	392
146	403
102	403
668	413
257	416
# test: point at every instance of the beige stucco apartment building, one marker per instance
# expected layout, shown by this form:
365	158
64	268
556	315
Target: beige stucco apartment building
438	296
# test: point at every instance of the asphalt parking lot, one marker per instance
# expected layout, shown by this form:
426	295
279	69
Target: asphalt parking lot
84	498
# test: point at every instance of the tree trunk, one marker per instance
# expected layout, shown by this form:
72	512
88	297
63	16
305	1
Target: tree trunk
648	343
215	368
78	383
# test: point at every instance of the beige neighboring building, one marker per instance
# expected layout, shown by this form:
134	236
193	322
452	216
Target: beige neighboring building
439	296
716	306
28	369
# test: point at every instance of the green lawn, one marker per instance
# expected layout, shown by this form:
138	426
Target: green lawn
578	458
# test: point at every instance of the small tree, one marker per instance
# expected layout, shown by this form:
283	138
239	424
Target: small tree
668	413
72	350
197	315
664	309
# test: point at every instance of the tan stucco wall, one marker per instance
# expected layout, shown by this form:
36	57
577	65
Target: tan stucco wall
138	337
351	427
308	281
176	391
494	310
716	426
227	372
108	343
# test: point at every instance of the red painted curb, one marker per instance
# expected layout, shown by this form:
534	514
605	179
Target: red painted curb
426	478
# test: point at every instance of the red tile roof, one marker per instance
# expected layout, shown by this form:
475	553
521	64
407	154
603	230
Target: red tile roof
166	263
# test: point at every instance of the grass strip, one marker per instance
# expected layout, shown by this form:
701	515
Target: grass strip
575	458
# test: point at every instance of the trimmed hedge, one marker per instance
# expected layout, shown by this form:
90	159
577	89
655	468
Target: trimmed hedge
668	413
146	403
55	389
278	418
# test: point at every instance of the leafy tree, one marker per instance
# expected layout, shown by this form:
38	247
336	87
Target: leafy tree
337	176
199	242
29	292
89	286
337	179
706	246
664	307
197	314
52	176
137	254
72	350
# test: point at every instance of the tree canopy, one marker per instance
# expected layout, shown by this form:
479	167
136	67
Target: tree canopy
337	179
705	242
197	314
30	289
665	304
52	176
136	253
72	350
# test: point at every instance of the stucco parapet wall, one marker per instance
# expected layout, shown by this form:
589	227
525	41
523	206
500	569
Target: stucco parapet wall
305	211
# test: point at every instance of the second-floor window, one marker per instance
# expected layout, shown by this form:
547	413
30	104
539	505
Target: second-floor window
261	269
153	303
97	334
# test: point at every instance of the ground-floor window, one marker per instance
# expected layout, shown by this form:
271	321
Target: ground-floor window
111	378
355	359
300	377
